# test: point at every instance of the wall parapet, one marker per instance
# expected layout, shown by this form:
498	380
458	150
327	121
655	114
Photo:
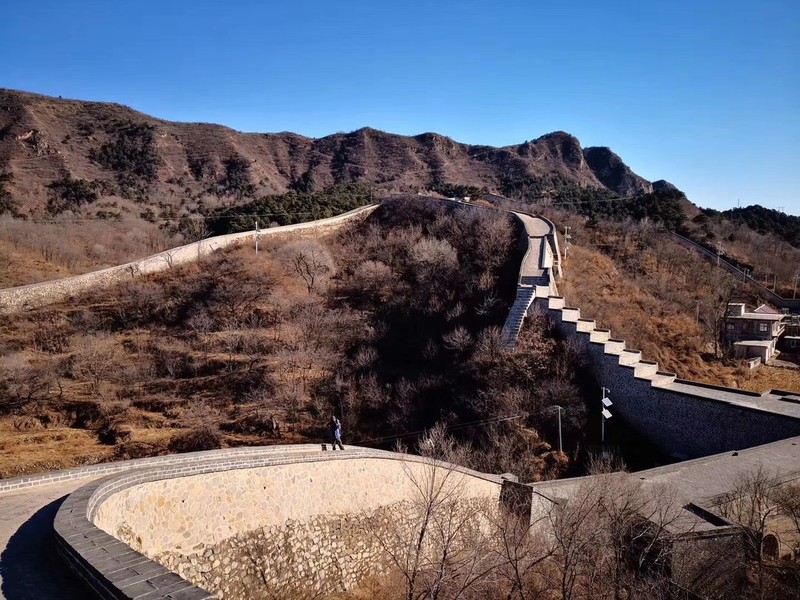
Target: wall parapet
34	295
115	570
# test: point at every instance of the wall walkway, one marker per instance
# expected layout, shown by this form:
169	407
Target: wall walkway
540	267
683	419
47	292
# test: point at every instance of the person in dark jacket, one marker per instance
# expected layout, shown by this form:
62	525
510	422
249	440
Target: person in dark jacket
335	427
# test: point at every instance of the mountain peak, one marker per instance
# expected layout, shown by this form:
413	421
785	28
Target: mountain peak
82	146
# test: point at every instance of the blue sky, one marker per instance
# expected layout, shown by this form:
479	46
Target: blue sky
704	93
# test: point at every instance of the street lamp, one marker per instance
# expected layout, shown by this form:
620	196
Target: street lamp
567	238
560	446
257	236
604	415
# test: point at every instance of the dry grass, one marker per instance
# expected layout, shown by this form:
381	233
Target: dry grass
766	378
653	312
26	452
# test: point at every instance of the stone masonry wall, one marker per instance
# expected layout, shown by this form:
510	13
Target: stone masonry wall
325	554
47	292
680	424
315	513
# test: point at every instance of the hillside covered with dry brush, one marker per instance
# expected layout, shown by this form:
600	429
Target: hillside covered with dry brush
393	324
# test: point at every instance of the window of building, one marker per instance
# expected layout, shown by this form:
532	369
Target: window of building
763	327
731	327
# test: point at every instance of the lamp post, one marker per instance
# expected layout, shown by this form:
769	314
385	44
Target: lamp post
257	236
604	414
719	251
567	238
560	445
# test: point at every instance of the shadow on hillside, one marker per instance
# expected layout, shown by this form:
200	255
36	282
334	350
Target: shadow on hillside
30	566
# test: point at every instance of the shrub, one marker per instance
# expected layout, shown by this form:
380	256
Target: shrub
204	437
69	194
133	151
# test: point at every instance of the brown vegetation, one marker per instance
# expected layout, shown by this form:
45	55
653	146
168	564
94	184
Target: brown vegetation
394	324
661	299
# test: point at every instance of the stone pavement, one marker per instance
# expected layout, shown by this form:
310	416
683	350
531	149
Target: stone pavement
30	569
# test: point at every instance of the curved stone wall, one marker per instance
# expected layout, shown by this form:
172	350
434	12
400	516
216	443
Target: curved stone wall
47	292
110	531
164	515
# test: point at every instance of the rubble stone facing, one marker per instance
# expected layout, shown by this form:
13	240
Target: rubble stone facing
47	292
187	513
325	554
180	511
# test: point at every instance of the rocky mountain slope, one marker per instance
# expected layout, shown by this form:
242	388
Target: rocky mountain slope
58	155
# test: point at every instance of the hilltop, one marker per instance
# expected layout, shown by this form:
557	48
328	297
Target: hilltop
61	155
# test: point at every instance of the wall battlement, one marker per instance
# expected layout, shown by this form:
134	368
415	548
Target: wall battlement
684	419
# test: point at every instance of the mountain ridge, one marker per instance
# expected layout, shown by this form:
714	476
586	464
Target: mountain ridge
47	144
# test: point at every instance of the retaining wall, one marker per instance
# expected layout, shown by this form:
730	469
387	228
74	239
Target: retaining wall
682	418
178	511
47	292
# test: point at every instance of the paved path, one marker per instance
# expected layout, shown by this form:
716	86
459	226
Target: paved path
30	569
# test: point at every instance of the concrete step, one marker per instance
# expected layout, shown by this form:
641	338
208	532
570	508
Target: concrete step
645	369
630	357
662	379
613	346
555	302
570	314
586	325
599	335
542	291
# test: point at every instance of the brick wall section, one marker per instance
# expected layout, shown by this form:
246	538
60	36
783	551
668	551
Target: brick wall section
114	570
48	292
682	418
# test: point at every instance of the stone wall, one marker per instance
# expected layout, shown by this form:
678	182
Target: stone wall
324	554
184	513
682	418
40	294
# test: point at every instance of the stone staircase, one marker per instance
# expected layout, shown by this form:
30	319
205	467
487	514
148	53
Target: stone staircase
541	289
616	352
517	314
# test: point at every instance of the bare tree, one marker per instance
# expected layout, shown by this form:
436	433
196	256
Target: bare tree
309	260
97	360
720	290
750	504
440	547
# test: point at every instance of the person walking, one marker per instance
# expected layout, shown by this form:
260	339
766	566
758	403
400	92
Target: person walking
335	427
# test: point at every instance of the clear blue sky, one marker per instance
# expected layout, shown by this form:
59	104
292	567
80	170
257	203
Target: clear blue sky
704	93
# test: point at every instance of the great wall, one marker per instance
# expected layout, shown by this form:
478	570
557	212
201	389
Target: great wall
127	522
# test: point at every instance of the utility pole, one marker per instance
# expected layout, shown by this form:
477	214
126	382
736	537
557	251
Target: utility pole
794	291
604	415
560	445
257	236
719	251
567	238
